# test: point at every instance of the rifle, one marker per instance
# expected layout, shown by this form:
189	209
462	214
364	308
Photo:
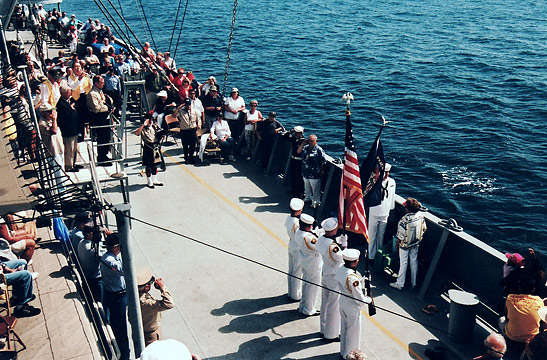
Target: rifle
367	291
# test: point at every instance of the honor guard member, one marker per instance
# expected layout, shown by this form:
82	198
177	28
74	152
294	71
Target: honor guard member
295	266
151	308
350	284
311	265
378	214
330	247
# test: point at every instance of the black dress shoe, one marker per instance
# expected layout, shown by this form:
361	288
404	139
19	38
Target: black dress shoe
26	311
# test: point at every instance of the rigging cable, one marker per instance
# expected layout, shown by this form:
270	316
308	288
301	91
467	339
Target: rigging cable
121	9
113	21
229	48
148	26
142	20
180	30
175	25
273	269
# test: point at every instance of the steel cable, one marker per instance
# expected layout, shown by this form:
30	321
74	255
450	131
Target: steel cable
276	270
180	30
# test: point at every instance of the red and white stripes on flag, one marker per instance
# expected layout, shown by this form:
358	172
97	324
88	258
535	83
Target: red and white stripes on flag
351	208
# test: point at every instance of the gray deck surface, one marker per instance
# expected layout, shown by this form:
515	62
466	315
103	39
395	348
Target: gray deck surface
228	308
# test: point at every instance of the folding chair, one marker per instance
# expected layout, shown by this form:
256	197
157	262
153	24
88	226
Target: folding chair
173	127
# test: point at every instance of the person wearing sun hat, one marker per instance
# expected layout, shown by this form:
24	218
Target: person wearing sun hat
234	111
295	265
350	284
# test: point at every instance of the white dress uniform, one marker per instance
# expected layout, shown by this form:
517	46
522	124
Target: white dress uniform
311	270
350	283
295	266
330	312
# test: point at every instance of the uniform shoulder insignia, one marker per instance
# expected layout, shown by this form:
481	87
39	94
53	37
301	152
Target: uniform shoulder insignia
335	249
313	240
356	283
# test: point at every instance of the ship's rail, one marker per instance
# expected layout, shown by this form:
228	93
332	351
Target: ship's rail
456	260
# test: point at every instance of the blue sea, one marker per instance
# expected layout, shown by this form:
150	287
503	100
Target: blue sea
464	84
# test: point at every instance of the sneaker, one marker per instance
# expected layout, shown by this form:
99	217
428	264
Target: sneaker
26	311
151	186
35	275
396	286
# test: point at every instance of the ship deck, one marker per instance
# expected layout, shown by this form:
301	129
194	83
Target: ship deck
229	308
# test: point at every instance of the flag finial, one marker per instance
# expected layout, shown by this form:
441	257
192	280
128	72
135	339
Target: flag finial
347	97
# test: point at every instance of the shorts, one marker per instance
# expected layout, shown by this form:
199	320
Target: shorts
19	247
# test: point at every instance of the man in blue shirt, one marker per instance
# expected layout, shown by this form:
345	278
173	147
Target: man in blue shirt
313	158
115	295
113	87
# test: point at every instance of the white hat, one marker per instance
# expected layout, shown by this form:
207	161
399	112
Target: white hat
234	90
166	350
351	254
162	93
388	167
298	129
330	224
542	312
144	276
307	219
296	204
47	107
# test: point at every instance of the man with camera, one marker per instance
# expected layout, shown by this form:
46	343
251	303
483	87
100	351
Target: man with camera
151	308
151	135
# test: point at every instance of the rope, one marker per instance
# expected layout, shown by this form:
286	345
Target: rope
121	10
175	25
275	269
229	48
180	30
148	26
142	20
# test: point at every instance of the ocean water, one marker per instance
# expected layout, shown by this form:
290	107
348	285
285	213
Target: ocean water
463	82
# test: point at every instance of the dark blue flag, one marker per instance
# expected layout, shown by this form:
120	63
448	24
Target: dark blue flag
372	173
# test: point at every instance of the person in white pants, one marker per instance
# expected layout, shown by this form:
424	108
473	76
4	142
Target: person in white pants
311	266
295	267
378	214
410	231
330	247
350	284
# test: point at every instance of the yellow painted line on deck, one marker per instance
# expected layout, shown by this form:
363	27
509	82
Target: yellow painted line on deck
269	232
226	200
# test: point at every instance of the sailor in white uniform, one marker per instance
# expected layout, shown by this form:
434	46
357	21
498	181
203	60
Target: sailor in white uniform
311	265
379	214
350	284
295	266
330	247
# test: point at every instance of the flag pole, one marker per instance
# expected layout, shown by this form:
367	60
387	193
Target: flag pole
347	97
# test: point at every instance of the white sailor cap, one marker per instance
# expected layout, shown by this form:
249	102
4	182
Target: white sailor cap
388	167
350	254
330	224
169	349
296	204
298	129
162	93
307	219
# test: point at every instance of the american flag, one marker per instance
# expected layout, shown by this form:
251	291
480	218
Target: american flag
351	209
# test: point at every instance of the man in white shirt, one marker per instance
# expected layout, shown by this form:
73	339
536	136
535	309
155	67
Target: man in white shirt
378	214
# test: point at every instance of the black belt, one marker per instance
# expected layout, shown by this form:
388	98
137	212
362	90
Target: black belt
117	293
